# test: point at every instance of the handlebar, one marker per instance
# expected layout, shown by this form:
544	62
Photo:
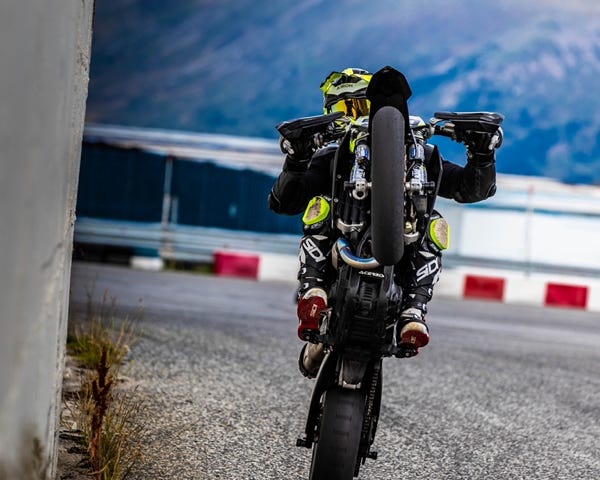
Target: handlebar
446	130
324	128
457	123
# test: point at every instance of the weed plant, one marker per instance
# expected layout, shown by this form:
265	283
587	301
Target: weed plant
108	416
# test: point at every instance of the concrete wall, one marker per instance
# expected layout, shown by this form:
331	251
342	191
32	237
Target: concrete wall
44	60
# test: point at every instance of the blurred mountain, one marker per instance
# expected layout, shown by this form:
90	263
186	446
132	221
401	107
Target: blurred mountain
240	66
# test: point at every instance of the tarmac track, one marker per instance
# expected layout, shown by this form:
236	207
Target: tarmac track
501	392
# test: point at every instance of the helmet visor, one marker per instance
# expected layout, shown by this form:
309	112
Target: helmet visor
351	107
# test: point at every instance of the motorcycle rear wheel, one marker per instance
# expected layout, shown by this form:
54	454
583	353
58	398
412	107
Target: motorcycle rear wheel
387	174
335	454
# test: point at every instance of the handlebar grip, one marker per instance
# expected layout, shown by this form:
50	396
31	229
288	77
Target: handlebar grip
446	130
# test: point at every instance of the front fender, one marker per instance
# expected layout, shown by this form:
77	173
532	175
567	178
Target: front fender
351	372
388	87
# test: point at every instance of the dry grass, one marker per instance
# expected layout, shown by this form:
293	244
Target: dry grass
106	415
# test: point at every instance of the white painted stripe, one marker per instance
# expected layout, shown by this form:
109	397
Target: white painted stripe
450	285
593	301
147	263
525	289
273	266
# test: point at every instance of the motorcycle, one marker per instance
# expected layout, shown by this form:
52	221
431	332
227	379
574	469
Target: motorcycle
383	195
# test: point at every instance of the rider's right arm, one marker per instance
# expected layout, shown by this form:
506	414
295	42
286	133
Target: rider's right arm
294	187
286	196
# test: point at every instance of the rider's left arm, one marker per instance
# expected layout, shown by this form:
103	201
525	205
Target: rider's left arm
474	182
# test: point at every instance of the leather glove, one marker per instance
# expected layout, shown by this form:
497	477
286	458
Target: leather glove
481	145
299	151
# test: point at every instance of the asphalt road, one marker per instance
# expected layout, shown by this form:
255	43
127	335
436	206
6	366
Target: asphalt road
501	392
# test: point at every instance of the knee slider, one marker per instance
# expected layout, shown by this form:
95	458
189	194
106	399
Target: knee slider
316	215
438	233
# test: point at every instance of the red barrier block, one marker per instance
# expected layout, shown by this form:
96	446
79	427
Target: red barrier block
558	294
236	265
477	286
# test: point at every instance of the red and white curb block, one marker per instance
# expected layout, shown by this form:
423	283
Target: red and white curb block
519	287
259	266
495	285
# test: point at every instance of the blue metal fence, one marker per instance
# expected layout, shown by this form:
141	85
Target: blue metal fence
120	184
138	186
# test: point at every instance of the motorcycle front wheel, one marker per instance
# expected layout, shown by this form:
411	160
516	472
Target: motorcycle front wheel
387	195
336	451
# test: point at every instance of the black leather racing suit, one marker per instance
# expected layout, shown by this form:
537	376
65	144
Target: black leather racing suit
300	181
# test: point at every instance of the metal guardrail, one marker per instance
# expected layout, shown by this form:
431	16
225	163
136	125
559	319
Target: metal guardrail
180	242
197	245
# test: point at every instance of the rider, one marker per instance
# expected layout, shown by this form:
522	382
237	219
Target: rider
304	185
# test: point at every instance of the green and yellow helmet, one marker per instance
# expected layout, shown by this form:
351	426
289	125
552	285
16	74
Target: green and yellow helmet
345	92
